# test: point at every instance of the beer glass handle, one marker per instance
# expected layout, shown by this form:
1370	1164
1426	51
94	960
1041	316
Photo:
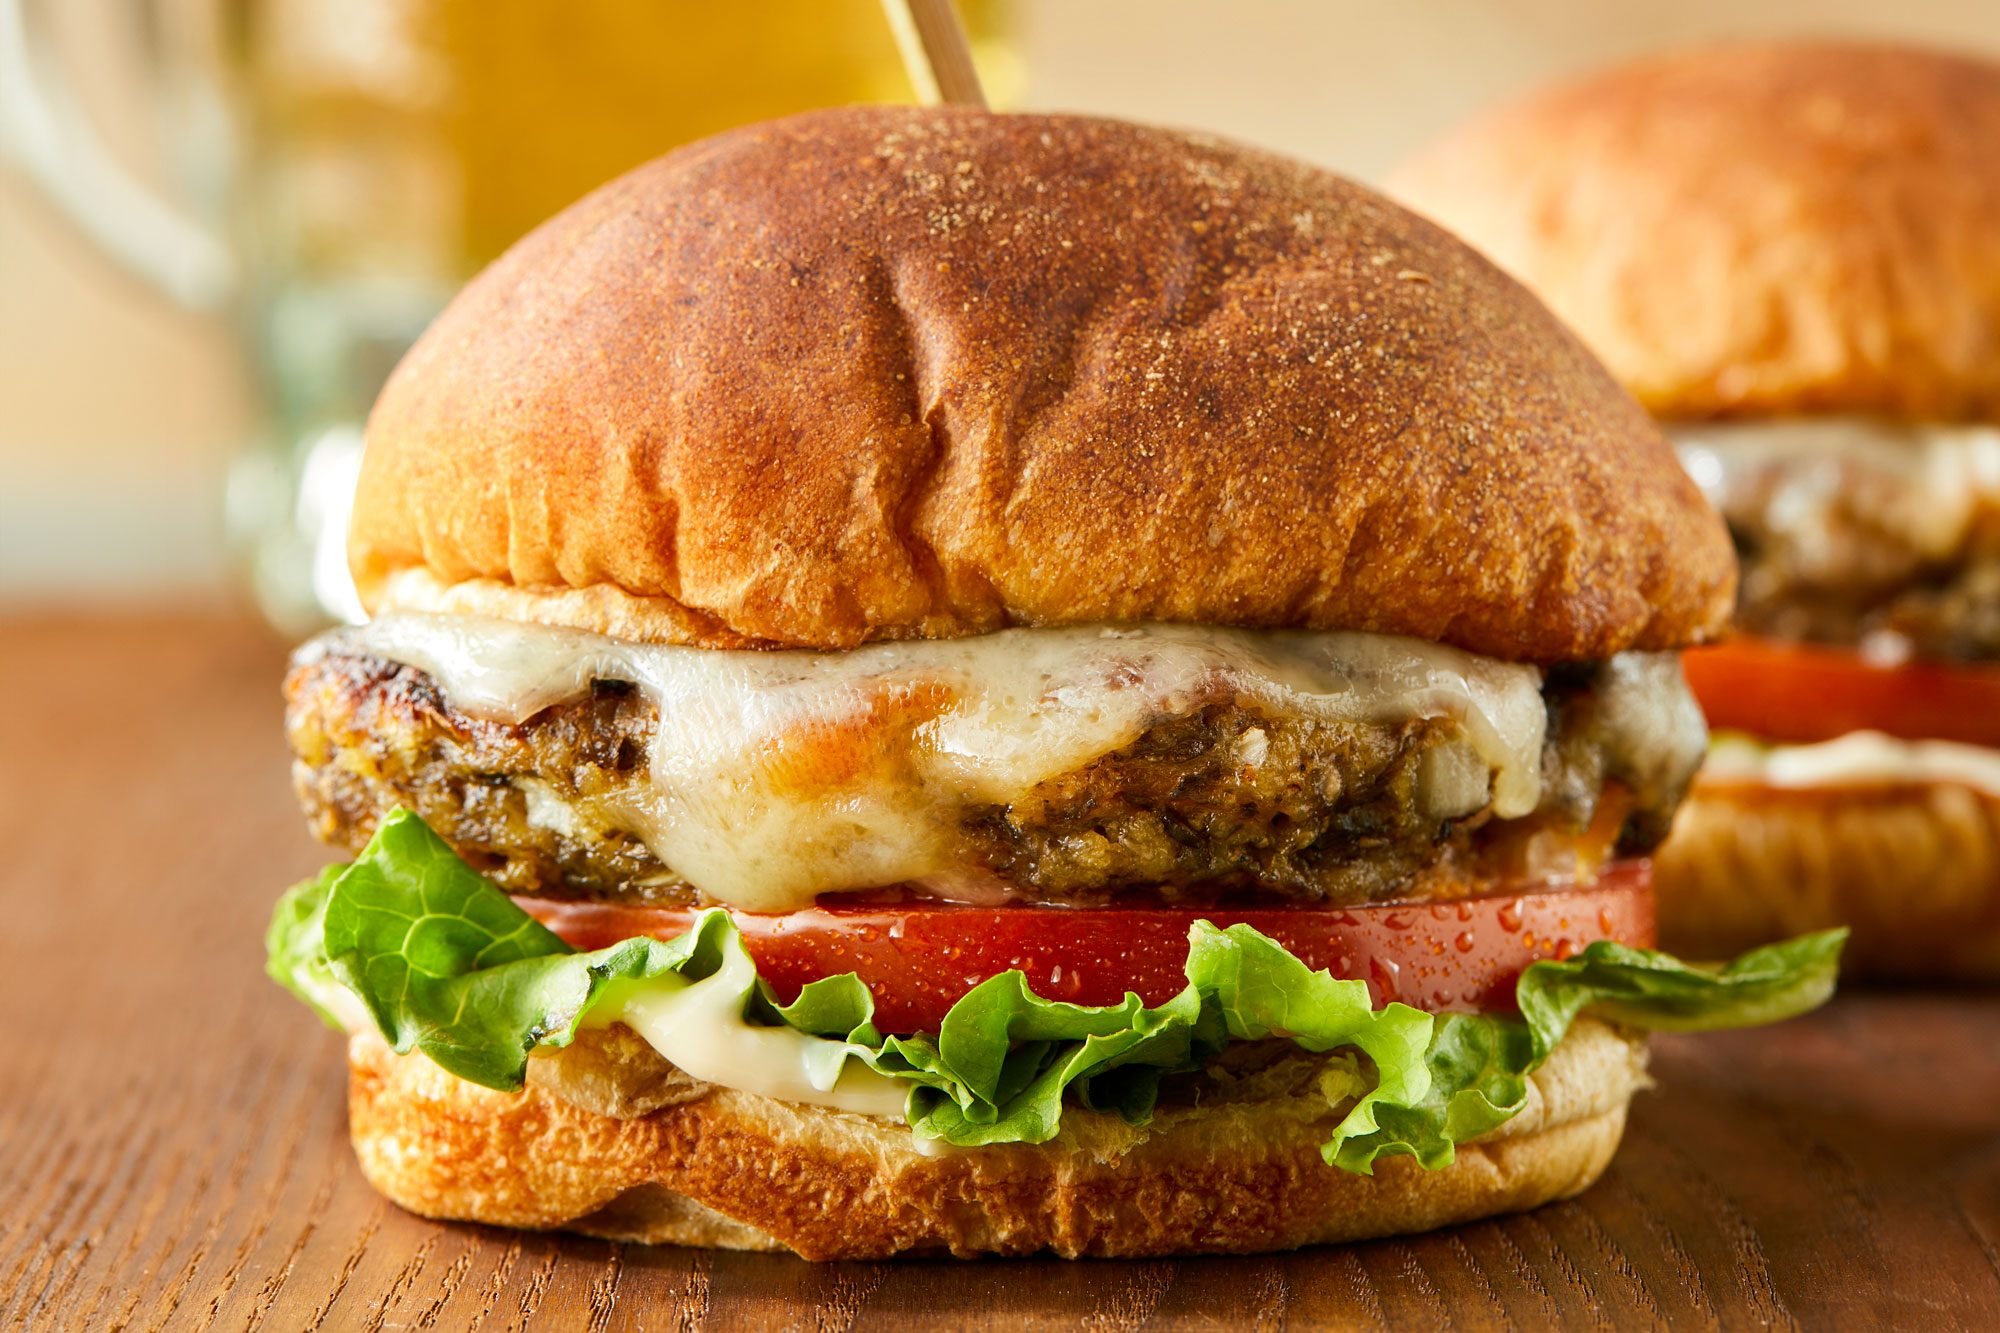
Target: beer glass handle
55	147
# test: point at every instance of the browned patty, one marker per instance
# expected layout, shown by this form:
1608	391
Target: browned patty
1851	576
1333	812
1946	615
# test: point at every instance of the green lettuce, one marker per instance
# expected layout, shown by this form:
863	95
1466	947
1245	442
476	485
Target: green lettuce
443	962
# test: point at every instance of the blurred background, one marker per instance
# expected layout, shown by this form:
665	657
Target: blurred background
222	220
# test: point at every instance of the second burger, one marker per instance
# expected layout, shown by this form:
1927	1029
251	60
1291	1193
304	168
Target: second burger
1791	253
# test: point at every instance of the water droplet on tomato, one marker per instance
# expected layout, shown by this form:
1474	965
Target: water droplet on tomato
1510	915
1564	948
1527	939
1385	973
1440	911
1604	920
1396	921
1464	942
1465	911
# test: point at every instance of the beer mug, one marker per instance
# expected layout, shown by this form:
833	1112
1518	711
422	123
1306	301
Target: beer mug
346	164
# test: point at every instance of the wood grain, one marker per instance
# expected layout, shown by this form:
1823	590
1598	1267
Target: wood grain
172	1147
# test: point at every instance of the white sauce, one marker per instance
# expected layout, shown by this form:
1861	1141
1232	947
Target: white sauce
334	999
699	1027
1929	481
779	776
1858	759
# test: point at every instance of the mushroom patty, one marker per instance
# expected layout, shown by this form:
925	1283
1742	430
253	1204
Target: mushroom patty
1221	801
1851	529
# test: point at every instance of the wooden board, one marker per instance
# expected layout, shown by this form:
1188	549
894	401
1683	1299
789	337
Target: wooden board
172	1149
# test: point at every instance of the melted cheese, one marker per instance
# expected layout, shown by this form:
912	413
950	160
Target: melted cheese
699	1027
1858	759
778	776
1930	480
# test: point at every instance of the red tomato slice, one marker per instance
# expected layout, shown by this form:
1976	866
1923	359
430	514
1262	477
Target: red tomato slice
919	959
1804	693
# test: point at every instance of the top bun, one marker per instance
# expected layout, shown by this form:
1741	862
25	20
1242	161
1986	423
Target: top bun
1754	230
891	373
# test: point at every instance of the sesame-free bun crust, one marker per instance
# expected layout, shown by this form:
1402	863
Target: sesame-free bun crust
736	1170
895	372
1754	230
1913	868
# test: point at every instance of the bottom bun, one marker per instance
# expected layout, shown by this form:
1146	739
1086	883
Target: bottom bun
587	1147
1913	868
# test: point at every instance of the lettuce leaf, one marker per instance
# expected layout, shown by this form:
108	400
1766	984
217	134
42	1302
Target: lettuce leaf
443	962
295	945
1480	1063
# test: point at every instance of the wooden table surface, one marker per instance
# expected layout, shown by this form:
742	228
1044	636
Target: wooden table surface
172	1146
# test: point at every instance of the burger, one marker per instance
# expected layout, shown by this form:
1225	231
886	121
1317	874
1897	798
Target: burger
992	684
1791	254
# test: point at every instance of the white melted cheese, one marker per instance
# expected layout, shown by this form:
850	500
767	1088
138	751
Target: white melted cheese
779	776
1858	759
1930	480
699	1027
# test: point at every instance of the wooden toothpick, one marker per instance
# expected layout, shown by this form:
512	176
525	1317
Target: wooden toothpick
935	51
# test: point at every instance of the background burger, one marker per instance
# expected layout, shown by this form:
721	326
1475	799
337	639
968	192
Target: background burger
1791	254
902	640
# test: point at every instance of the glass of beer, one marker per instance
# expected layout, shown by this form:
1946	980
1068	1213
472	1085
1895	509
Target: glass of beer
349	163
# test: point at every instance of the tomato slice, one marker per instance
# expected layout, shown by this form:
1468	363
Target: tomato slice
918	959
1805	693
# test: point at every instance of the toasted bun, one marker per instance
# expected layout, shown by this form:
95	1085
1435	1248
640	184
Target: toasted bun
1757	229
721	1168
890	372
1914	868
